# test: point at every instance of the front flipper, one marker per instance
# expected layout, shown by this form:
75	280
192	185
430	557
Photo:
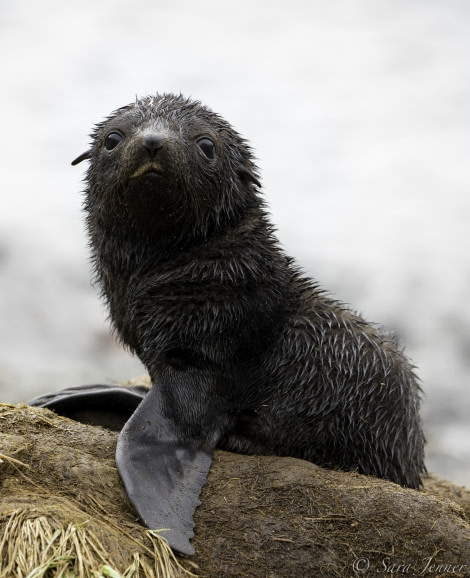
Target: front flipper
163	473
108	406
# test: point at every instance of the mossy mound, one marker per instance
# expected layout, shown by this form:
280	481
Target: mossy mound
64	512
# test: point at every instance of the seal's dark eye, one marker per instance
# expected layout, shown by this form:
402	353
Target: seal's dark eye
112	140
207	147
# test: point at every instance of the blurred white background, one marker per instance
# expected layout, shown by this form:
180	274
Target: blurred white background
359	113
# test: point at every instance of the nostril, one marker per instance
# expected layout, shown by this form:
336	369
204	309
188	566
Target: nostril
152	143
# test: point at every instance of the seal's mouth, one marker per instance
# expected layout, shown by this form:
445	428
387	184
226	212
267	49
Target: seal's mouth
148	169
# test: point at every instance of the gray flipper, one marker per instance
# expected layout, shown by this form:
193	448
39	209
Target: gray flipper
162	473
105	405
165	447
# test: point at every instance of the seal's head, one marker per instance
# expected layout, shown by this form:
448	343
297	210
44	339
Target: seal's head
169	165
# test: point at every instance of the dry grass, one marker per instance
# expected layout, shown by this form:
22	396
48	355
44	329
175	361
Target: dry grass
40	549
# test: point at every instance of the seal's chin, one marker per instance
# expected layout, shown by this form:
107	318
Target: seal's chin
151	169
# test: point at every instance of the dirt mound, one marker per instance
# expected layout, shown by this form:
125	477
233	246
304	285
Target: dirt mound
63	509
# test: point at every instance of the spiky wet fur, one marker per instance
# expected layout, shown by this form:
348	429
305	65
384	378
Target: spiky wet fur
195	280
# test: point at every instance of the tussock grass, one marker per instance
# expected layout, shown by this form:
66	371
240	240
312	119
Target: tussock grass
33	546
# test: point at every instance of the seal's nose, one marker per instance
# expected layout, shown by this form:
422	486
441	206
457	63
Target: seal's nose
153	143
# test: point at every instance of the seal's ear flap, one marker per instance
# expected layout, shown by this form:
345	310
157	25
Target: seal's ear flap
247	173
83	157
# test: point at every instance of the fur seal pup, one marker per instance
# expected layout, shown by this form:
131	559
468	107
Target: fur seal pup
245	352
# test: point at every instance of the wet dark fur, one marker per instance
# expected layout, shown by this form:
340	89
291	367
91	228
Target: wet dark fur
197	286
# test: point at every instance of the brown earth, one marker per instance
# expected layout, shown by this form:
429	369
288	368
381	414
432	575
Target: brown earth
63	508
